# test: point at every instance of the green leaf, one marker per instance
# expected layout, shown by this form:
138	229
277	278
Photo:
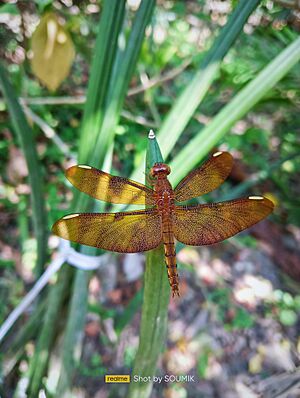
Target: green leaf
191	97
39	361
245	100
124	66
155	306
26	138
43	4
9	9
71	349
96	143
101	71
288	317
6	263
110	23
297	302
203	364
242	319
105	52
288	299
187	103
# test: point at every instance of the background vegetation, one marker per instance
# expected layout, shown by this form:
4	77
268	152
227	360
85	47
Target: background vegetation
84	81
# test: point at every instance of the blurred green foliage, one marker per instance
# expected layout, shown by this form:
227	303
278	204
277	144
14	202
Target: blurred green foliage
229	313
284	307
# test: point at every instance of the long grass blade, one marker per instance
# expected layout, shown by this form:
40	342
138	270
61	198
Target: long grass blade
71	349
190	99
38	364
155	306
26	139
123	69
105	51
118	83
234	110
193	94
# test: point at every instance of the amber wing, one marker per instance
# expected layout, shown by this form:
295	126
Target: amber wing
206	224
108	188
124	232
206	178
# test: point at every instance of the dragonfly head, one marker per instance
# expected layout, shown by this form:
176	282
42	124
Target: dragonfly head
160	169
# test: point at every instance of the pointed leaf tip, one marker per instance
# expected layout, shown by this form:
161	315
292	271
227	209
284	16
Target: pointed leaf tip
151	135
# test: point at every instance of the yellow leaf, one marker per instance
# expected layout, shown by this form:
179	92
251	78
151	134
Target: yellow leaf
272	197
255	364
53	51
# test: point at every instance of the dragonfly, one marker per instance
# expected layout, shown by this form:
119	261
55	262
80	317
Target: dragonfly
163	219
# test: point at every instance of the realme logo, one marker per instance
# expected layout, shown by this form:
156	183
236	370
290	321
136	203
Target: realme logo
117	378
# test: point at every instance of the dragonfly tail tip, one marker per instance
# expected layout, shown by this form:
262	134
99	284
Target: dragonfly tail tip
175	292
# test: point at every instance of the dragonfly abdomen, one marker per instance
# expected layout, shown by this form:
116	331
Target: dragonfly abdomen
170	255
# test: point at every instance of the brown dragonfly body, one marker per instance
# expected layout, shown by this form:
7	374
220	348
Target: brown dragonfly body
165	201
164	219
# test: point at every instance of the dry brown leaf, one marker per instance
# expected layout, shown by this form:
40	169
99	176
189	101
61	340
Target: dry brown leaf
53	51
17	166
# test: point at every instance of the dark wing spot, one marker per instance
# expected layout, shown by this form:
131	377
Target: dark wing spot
119	216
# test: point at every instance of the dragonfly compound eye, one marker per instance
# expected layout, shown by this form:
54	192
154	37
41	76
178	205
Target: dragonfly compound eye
160	169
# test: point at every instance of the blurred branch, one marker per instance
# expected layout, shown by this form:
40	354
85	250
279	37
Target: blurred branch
139	119
281	385
30	296
295	4
80	99
48	131
66	100
157	80
15	348
66	255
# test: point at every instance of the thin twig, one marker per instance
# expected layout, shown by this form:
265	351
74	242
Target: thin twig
159	79
80	99
31	295
48	131
139	119
65	100
289	4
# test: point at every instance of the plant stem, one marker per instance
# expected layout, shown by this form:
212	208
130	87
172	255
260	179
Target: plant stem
26	139
155	306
